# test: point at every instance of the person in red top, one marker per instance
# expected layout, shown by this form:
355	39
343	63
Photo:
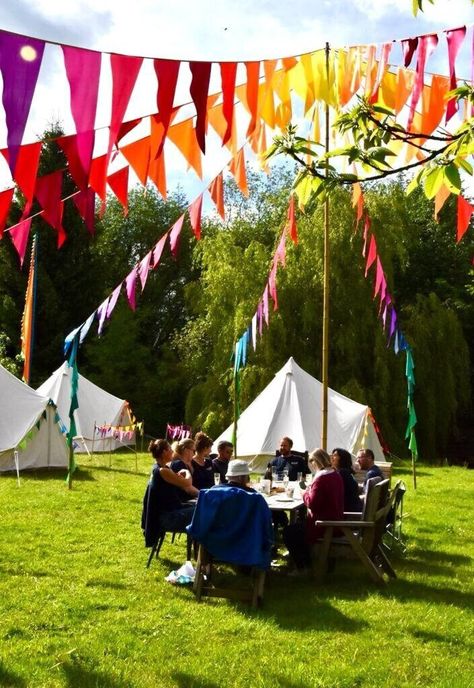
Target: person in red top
324	500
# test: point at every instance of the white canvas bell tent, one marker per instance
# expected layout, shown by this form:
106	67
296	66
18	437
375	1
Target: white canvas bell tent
99	416
290	406
28	424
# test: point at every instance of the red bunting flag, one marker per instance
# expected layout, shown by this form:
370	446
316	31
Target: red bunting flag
118	182
167	72
199	89
292	228
228	75
26	169
379	277
5	203
409	45
19	235
195	210
465	210
48	192
125	70
426	46
85	204
454	38
76	169
253	76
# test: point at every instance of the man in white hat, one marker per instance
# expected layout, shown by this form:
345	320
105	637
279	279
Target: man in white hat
238	475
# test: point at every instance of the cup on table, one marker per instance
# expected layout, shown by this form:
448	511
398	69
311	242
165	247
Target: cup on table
285	480
290	490
217	478
266	486
299	477
274	475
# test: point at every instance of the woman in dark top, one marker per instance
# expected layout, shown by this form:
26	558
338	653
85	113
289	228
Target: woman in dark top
163	508
203	470
341	460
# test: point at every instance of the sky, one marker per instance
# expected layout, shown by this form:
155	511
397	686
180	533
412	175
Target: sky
210	30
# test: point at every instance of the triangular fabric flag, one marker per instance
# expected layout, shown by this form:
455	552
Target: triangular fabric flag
201	74
260	317
158	250
86	327
372	254
195	210
465	210
125	70
228	75
272	288
378	277
292	228
102	314
138	156
366	234
79	174
127	127
83	73
280	253
98	176
409	45
118	182
434	106
5	203
253	74
358	200
157	174
113	298
393	323
454	37
167	72
26	168
85	204
426	46
440	199
130	285
143	269
216	191
265	304
404	85
254	332
19	235
383	60
237	168
48	192
20	62
183	137
174	235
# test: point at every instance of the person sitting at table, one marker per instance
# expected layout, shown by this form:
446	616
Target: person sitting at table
221	462
341	460
163	509
366	461
324	500
183	460
203	471
286	461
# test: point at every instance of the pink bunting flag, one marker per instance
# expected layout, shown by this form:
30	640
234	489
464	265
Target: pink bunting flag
83	73
384	317
143	269
5	203
393	323
158	250
125	70
19	235
130	285
425	47
195	210
174	234
113	300
265	305
378	277
272	286
383	60
280	253
20	62
465	210
102	314
372	255
454	39
85	204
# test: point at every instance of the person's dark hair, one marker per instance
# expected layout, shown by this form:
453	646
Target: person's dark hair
223	444
345	459
202	441
369	453
289	440
157	447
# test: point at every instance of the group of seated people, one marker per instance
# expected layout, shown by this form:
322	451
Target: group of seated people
179	475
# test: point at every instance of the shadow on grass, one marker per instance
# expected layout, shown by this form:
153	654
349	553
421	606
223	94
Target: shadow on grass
80	475
183	680
10	680
96	583
79	675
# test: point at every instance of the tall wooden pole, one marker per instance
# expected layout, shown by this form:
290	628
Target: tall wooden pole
325	348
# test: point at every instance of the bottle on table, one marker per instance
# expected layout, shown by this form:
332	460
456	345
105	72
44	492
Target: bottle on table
267	479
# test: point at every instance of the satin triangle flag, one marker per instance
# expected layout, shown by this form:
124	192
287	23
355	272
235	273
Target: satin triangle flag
465	210
83	73
440	199
5	203
228	75
409	46
253	74
158	250
26	168
167	74
76	168
143	269
118	182
125	70
113	298
292	228
372	255
174	234
201	74
378	277
138	156
237	168
20	62
98	176
102	314
130	285
48	192
195	210
85	204
426	46
454	38
216	191
184	138
19	235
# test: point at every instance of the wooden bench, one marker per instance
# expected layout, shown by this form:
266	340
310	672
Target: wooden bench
385	467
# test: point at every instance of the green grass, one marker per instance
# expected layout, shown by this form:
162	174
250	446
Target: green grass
79	608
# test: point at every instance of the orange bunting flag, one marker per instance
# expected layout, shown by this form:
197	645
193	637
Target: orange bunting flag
28	315
195	210
216	191
167	72
228	75
405	80
98	176
237	168
138	156
118	182
465	210
183	137
5	203
201	75
440	199
253	75
358	200
292	228
157	174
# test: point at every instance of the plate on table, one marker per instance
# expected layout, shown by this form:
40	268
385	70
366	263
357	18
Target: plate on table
284	499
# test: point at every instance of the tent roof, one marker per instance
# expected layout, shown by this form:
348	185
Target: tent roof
291	405
20	409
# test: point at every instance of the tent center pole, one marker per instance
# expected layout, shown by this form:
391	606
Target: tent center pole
325	344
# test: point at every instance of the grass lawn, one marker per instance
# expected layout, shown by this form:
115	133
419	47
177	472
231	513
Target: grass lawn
79	608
